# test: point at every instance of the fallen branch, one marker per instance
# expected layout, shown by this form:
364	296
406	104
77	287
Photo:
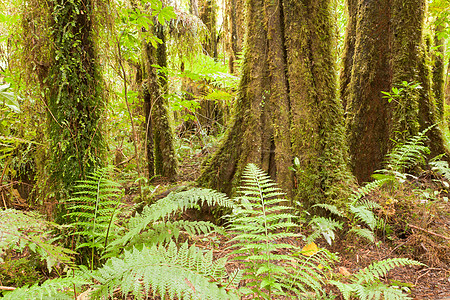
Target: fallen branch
7	288
429	232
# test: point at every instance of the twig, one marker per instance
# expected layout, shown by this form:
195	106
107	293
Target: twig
429	232
7	288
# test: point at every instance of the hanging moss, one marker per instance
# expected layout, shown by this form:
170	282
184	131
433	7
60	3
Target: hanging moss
76	103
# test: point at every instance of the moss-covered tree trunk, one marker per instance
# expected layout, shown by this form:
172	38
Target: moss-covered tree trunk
366	73
208	15
389	49
75	103
439	71
287	105
161	158
235	31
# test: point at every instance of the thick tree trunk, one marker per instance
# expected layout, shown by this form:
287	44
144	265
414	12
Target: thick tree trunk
367	63
411	63
75	104
287	105
389	49
160	148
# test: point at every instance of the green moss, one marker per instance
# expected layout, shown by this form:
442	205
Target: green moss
20	272
76	103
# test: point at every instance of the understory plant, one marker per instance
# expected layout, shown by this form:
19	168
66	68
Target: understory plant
145	260
360	211
262	224
367	284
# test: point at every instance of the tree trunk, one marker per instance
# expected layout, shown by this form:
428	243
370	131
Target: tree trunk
287	105
76	102
439	71
389	49
208	15
366	73
235	31
160	149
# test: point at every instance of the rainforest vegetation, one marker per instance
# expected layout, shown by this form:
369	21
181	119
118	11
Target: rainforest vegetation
224	149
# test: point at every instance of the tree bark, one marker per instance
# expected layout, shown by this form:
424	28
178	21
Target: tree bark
75	102
389	49
288	105
161	157
367	72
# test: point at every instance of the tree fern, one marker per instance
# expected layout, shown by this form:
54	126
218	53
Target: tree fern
366	283
185	273
153	222
93	210
261	223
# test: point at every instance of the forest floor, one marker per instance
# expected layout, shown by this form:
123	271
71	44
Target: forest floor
418	229
422	243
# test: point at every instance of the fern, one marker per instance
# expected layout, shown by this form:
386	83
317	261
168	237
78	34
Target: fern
19	230
153	221
407	155
261	223
366	283
185	273
325	227
59	288
93	210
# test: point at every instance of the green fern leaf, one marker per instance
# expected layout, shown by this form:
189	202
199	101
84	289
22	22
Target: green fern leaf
184	273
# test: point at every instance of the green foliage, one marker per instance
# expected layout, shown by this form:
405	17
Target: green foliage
359	211
93	209
261	223
75	102
9	99
407	155
185	273
366	284
153	225
20	230
19	272
58	288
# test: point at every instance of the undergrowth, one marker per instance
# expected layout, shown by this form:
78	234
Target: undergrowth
144	257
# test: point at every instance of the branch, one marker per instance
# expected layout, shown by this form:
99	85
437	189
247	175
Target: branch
429	232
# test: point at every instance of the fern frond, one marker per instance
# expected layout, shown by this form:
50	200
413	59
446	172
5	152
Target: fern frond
20	229
331	208
380	268
363	232
408	154
185	273
365	215
325	227
92	210
366	284
261	223
164	208
59	288
367	189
